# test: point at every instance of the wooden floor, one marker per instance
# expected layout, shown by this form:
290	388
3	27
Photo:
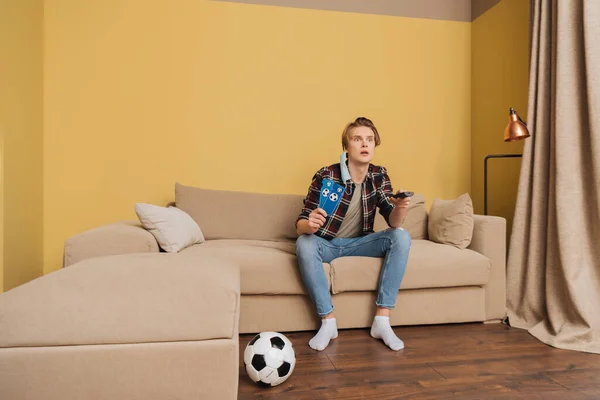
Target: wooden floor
464	361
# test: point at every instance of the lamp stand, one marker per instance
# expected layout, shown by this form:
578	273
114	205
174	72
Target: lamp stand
485	178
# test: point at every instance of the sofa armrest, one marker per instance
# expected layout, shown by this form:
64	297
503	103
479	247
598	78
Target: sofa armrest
123	237
489	239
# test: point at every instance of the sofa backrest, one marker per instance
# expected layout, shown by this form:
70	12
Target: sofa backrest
225	214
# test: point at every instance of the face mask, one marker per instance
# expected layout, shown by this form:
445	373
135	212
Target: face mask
344	167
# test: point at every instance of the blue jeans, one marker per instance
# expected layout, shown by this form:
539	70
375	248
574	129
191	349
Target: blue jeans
392	244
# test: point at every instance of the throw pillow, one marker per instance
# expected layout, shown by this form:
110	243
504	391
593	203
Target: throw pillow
173	228
451	221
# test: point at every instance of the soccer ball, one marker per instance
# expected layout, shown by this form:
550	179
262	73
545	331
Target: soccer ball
269	359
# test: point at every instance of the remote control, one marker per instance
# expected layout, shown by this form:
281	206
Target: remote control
402	195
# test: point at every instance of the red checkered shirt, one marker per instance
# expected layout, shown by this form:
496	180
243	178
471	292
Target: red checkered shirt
375	191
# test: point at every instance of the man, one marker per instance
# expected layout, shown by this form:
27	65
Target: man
349	232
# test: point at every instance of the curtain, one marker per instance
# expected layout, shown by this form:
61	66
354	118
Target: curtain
553	268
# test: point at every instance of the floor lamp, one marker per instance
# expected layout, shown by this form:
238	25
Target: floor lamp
515	130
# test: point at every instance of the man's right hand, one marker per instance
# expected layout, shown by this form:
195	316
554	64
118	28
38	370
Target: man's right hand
316	219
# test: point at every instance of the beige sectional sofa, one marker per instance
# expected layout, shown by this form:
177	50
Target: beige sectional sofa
150	309
443	284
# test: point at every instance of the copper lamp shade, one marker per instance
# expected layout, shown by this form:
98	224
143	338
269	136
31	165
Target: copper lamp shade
516	128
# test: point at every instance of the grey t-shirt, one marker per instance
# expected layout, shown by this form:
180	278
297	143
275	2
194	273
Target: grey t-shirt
352	225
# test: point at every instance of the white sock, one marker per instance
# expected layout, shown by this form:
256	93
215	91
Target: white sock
327	332
381	329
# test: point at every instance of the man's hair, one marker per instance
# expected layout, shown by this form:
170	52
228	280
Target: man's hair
360	121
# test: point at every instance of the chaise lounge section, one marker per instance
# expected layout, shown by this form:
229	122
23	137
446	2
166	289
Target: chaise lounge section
145	326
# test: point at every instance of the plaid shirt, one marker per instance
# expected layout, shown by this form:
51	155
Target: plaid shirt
375	191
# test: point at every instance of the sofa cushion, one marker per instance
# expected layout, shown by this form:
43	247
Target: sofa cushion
235	215
287	246
451	221
415	221
173	228
264	269
429	265
137	298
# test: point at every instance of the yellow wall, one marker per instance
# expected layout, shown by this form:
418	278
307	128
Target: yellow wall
1	209
21	71
500	65
140	94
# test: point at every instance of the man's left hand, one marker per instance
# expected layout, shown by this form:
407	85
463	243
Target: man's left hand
401	203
